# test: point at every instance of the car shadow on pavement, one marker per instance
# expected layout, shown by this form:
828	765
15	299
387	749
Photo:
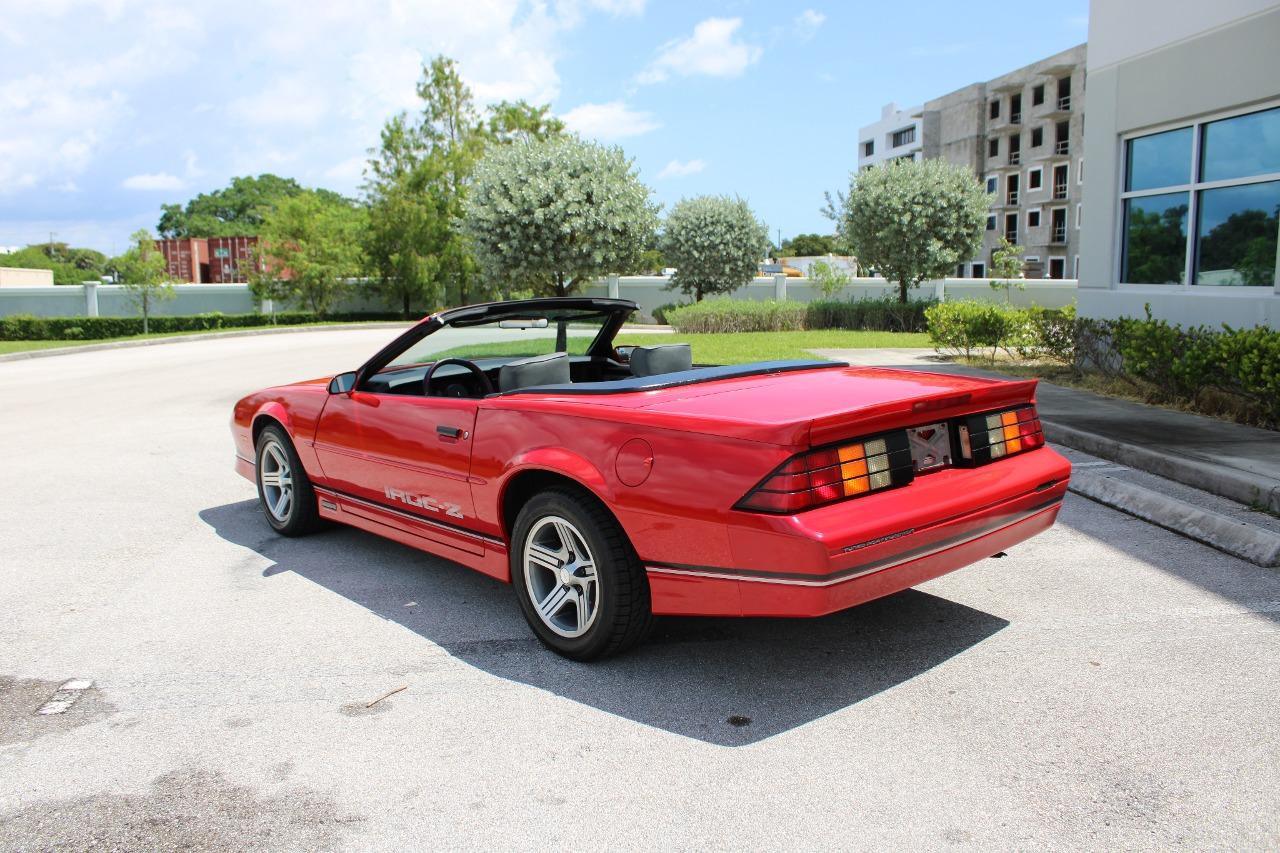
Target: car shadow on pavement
723	681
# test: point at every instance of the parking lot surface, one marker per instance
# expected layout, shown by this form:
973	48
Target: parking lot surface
1107	684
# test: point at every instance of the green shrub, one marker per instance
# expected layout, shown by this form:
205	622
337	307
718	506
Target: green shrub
24	327
660	313
730	315
961	327
1049	333
872	315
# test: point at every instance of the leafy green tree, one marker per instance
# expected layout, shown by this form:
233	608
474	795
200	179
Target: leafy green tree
312	248
69	265
520	121
144	274
1006	268
829	278
715	243
912	220
234	211
808	245
551	215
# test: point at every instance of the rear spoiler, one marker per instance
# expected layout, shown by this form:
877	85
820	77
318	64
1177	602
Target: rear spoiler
924	409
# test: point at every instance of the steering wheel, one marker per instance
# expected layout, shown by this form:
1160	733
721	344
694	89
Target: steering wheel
486	387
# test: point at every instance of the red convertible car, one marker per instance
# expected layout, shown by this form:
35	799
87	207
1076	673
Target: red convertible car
609	484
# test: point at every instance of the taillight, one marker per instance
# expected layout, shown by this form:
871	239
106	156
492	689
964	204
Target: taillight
994	435
832	474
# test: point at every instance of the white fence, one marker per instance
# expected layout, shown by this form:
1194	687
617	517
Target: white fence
107	300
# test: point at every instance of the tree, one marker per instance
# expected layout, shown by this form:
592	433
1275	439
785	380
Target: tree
311	248
237	210
808	245
829	278
715	243
69	265
520	121
409	218
912	220
144	274
1006	268
550	215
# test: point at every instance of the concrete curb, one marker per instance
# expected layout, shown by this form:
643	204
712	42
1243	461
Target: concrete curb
1237	538
1241	486
201	336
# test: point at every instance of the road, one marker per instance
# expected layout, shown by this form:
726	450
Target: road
1108	684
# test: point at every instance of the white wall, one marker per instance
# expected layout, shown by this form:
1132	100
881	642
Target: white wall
1124	29
881	132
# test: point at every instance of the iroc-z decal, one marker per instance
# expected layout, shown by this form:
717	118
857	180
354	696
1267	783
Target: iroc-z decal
425	502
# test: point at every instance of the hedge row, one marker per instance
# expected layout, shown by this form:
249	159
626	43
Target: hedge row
728	315
1163	361
25	327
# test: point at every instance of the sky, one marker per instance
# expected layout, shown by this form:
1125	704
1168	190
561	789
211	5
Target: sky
110	108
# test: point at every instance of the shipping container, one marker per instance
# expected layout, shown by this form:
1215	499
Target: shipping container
231	258
182	258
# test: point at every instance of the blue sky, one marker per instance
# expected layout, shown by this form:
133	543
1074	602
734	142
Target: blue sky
109	109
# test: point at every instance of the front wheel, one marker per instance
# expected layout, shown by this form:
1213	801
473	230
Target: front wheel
580	585
284	490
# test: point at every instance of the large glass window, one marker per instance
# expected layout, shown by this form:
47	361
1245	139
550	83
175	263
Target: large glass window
1155	239
1241	147
1236	239
1159	160
1228	202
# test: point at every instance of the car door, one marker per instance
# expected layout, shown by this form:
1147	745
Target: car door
402	460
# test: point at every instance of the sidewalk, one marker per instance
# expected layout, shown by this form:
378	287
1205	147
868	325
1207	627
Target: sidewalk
1237	462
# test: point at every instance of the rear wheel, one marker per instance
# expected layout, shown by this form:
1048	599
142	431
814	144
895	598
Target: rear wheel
284	490
580	585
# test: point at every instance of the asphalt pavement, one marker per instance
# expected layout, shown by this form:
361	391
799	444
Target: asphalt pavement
1107	684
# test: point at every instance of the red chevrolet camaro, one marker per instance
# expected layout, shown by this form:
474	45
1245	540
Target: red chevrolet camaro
609	484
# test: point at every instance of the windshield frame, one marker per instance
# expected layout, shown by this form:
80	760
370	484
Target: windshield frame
615	311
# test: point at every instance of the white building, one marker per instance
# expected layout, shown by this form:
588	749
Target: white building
899	133
1182	208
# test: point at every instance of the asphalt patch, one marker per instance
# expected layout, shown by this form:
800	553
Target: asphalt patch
20	698
184	810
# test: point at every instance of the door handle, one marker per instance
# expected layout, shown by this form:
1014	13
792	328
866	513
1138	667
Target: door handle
451	432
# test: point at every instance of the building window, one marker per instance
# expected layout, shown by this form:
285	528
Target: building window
1217	181
1058	225
1037	137
868	148
1057	268
993	147
978	269
1033	218
1060	181
1075	267
1078	206
1034	178
1015	149
1037	95
1011	189
1015	109
904	137
1080	171
1062	138
1064	93
993	183
959	270
991	222
1011	227
994	111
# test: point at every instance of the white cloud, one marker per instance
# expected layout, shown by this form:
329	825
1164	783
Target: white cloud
712	50
292	101
676	169
155	181
607	122
349	171
807	24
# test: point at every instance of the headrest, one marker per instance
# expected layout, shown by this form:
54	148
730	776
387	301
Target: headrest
551	369
668	358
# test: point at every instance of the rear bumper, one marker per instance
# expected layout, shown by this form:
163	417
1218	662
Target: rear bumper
826	574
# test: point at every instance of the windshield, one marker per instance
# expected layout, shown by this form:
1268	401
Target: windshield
529	333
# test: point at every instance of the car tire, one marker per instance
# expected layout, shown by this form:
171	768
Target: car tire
571	614
284	490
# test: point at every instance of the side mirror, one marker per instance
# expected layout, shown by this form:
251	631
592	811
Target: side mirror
624	353
343	383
